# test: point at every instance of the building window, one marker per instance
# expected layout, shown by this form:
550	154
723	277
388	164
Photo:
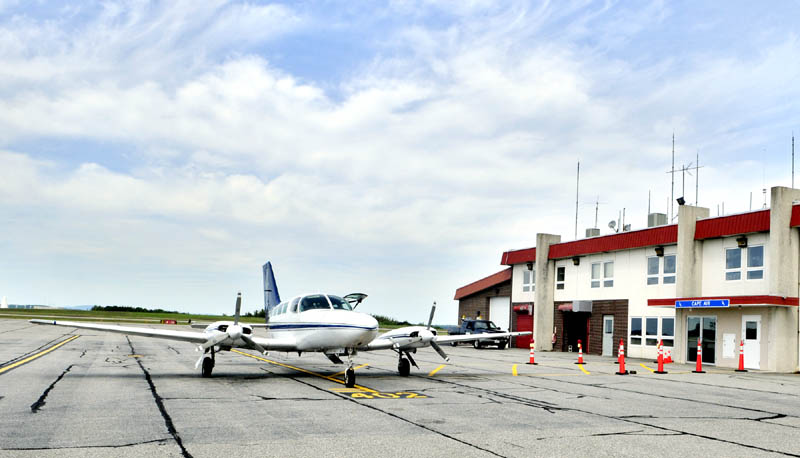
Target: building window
667	272
733	264
652	270
651	334
561	273
596	275
668	331
755	263
669	269
528	280
608	274
636	331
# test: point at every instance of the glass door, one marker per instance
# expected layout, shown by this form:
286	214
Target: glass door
705	327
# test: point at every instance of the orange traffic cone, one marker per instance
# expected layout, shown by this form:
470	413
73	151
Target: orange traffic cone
741	357
580	353
699	368
621	359
668	359
532	355
661	358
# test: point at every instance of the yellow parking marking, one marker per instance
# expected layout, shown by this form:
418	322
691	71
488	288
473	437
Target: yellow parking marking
134	356
551	375
38	355
584	370
436	370
326	377
514	370
355	369
651	370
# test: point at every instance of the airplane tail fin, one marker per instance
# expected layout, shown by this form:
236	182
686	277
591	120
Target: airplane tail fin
271	295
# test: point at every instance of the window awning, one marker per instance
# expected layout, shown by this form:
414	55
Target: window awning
576	306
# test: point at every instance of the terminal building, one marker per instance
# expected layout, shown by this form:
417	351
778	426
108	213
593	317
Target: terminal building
723	280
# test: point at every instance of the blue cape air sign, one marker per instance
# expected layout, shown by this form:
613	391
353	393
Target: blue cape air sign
705	303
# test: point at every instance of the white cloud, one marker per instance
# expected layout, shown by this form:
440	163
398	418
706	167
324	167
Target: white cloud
435	157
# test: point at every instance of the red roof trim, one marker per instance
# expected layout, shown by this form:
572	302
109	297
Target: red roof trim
735	300
661	235
512	257
743	223
483	283
795	221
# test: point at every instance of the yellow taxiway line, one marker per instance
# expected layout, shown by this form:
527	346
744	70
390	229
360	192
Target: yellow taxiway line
305	371
584	370
514	370
651	370
38	355
355	369
435	370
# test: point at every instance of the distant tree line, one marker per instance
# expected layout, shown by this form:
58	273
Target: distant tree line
257	313
122	308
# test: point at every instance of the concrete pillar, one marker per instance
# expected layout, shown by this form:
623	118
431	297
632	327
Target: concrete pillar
545	289
783	277
782	269
689	261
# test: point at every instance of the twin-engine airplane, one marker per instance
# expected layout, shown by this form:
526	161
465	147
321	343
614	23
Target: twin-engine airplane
310	323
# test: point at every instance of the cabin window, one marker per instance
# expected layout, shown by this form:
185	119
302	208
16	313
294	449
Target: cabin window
293	306
316	301
247	330
339	303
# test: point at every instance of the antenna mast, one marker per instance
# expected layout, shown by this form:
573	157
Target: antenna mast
793	159
577	188
697	178
672	171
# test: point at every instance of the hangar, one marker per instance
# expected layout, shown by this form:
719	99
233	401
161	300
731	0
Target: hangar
728	280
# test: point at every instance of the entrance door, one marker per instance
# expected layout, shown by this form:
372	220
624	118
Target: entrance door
708	326
524	323
608	335
751	330
499	311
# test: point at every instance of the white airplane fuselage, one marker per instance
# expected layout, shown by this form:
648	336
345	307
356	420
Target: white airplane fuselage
323	329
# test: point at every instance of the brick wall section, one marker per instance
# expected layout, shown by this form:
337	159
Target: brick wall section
480	301
618	308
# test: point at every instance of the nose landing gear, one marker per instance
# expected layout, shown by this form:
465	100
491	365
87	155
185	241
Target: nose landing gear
404	364
208	364
350	373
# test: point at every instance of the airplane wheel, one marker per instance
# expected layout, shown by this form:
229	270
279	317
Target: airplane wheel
208	366
476	344
350	378
404	367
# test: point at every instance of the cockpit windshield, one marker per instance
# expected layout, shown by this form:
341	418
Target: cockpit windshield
314	301
339	303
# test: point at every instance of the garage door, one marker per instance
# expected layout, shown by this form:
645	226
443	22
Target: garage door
499	311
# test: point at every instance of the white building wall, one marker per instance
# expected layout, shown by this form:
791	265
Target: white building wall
517	295
714	283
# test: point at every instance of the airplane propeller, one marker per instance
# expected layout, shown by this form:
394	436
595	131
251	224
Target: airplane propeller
431	337
233	332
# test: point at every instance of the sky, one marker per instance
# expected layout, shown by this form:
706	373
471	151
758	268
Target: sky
156	154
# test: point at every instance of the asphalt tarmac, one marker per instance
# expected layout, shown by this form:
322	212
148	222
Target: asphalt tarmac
103	394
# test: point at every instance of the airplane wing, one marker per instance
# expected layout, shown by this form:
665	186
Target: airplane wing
201	338
468	337
186	336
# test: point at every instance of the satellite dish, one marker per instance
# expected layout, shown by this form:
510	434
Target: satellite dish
626	228
612	224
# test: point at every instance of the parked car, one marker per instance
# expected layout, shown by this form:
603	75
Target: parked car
480	327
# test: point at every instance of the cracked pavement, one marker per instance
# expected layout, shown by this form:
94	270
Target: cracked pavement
111	395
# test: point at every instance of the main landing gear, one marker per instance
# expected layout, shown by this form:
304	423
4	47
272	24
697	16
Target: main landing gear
208	364
404	364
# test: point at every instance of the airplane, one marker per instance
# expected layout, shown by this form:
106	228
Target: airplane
319	322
